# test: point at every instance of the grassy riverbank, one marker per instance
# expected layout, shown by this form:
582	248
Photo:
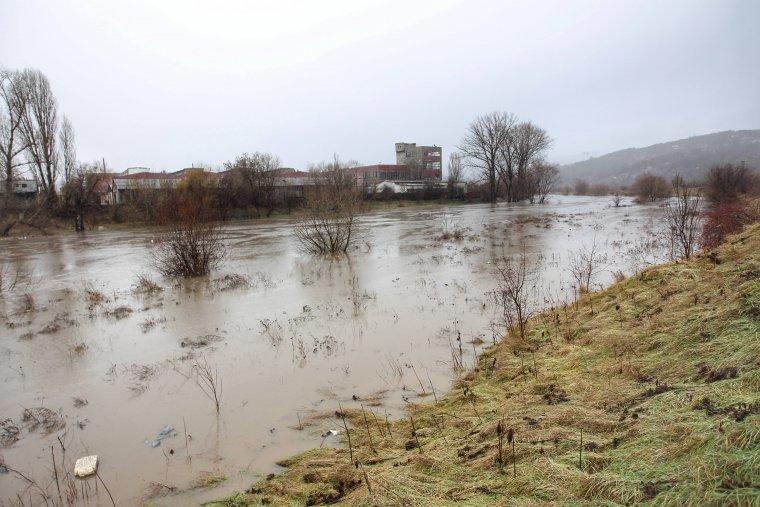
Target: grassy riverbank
658	376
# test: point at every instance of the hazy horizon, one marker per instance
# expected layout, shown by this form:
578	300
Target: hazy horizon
173	84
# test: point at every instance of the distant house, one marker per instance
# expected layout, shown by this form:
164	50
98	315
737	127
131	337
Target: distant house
104	187
135	179
287	177
22	188
290	183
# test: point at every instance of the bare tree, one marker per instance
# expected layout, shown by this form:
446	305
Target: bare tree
79	195
40	130
617	198
529	144
257	173
484	144
13	101
331	205
455	173
682	214
335	164
455	167
542	179
68	149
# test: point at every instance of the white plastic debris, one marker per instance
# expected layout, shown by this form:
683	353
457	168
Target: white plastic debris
329	433
86	466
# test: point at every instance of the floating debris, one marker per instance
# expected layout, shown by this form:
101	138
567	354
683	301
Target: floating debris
167	432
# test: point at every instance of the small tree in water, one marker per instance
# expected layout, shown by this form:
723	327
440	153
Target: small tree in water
682	214
584	265
514	278
329	224
192	244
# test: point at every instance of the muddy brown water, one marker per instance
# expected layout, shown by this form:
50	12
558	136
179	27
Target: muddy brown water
306	335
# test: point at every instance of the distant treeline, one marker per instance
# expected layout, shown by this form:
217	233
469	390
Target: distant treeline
721	179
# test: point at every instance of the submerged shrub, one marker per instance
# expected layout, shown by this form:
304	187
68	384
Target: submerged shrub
189	250
192	243
329	225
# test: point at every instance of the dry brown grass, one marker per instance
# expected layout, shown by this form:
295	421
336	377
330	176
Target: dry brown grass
209	479
144	285
43	419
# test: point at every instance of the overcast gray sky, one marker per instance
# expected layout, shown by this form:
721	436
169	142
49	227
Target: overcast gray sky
166	84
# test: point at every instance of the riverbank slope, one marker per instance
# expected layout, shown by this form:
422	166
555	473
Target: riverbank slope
646	391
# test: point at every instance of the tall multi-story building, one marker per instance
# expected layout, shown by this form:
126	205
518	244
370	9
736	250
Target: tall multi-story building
422	157
413	163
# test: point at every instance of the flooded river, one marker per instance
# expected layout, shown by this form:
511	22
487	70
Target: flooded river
290	339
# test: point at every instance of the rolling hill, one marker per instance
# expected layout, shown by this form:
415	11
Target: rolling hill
691	157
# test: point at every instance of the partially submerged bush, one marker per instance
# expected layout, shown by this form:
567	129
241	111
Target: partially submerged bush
450	229
144	285
189	249
232	281
93	296
329	225
192	244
